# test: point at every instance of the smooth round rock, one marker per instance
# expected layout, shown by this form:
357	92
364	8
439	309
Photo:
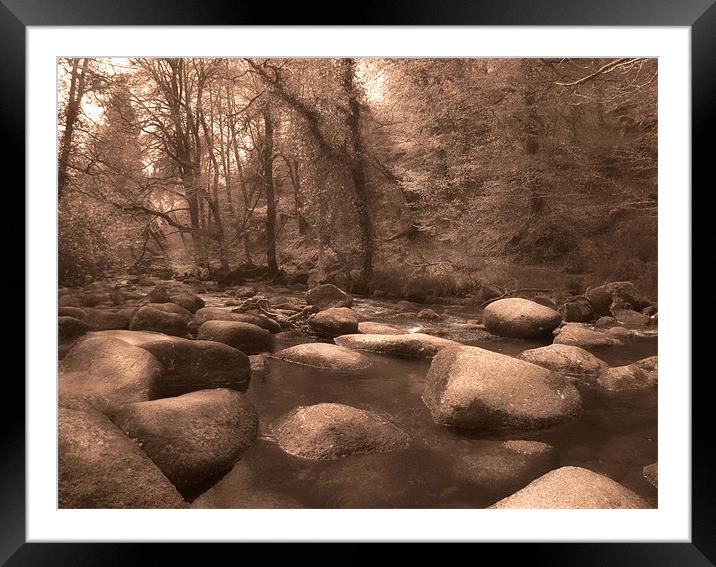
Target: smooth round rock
189	365
248	338
584	337
199	365
520	318
322	355
150	319
223	314
334	322
416	345
100	467
331	431
476	388
566	359
573	487
108	373
194	436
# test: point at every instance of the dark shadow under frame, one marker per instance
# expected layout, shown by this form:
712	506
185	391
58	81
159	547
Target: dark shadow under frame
700	15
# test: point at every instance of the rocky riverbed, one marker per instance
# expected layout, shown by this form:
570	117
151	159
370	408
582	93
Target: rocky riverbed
257	396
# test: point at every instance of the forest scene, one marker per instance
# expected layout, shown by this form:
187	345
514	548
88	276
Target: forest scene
357	283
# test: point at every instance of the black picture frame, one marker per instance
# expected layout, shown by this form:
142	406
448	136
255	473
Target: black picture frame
699	15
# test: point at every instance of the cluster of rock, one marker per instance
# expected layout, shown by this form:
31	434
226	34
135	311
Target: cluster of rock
620	301
145	409
151	390
179	400
611	310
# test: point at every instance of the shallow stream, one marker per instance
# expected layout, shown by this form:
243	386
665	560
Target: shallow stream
616	434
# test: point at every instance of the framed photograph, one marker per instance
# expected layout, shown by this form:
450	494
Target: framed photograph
400	279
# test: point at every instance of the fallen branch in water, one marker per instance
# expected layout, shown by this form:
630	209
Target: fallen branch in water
297	321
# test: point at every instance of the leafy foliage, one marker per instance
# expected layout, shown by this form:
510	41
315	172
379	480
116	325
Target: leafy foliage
427	168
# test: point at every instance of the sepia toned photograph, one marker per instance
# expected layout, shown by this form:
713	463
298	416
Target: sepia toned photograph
350	283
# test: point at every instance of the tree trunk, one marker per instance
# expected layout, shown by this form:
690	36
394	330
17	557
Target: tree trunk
213	192
531	140
191	187
357	170
292	166
77	91
267	175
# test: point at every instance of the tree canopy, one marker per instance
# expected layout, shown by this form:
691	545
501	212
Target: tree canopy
362	172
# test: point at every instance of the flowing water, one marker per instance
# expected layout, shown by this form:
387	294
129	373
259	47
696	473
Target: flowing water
616	435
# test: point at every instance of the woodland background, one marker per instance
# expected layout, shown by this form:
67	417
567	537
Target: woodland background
391	176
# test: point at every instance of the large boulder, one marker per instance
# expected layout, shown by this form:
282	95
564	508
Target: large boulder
332	431
566	359
322	355
199	365
371	328
573	487
223	314
477	388
578	335
334	322
99	467
327	295
194	436
615	293
108	373
499	468
520	318
639	375
248	338
189	365
416	345
151	319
